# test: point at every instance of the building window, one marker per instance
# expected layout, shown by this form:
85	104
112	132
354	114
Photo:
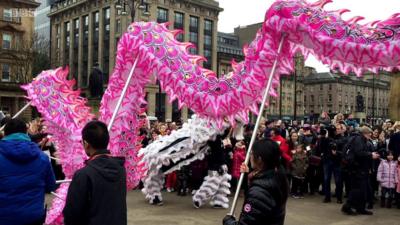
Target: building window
194	24
194	38
208	56
160	106
75	70
6	41
179	24
208	26
7	15
86	20
67	42
95	38
107	13
321	87
85	55
96	17
330	86
330	98
76	24
194	33
176	112
106	43
162	15
179	20
208	41
76	33
5	72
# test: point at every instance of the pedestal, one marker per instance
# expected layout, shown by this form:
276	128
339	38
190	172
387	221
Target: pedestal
94	103
361	117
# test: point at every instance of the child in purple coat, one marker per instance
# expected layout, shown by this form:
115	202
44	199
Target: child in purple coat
387	177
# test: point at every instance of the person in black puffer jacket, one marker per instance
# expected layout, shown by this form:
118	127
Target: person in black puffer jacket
265	203
97	193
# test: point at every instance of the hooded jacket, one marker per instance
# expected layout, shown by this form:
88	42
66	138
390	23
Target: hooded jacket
25	176
387	174
265	203
97	193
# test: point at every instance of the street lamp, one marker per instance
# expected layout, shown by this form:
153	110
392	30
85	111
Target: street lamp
132	5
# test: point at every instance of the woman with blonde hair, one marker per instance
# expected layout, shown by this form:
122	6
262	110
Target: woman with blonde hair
324	119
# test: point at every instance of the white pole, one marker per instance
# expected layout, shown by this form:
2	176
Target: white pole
128	81
55	194
253	137
57	159
63	181
18	113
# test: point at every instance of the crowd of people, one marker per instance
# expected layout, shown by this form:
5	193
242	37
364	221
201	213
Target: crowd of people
364	161
361	158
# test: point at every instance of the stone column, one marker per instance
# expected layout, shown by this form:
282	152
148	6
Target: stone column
394	99
214	47
15	106
168	109
171	18
151	103
71	48
54	49
184	111
101	36
62	43
113	31
186	25
80	53
201	37
90	43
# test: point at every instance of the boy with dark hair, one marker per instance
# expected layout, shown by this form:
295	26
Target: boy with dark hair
97	194
26	175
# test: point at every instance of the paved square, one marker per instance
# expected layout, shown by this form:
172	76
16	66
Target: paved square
309	211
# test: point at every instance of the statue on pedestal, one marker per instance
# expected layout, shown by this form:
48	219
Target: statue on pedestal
96	82
360	103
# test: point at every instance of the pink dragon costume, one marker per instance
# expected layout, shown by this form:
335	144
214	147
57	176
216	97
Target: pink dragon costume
65	114
344	46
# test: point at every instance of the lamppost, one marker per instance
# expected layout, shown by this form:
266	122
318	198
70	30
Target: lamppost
295	95
373	99
133	5
280	97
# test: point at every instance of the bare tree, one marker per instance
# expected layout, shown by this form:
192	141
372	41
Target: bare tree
31	57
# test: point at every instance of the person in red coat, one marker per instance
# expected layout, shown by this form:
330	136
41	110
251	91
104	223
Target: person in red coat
239	155
283	146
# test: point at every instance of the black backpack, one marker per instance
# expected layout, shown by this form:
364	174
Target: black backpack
348	153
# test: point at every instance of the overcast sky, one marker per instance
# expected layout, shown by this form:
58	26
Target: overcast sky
244	12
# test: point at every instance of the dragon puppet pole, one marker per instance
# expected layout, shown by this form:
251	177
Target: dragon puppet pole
18	113
63	181
128	81
253	137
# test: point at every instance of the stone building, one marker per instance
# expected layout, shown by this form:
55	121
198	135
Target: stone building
16	35
282	106
84	32
228	49
334	93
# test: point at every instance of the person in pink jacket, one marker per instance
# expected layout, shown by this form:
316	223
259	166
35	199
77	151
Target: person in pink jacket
388	178
398	184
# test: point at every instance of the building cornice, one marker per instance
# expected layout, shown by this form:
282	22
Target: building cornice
22	3
206	4
62	7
